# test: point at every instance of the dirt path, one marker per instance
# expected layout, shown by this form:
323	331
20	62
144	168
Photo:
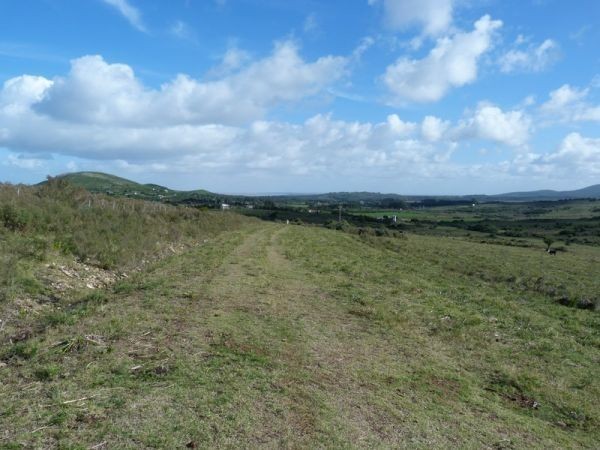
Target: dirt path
321	352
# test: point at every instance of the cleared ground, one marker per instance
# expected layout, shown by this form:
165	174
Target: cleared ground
290	336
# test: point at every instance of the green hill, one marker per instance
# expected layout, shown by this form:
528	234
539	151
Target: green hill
98	182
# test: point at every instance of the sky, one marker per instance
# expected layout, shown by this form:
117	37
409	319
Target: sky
272	96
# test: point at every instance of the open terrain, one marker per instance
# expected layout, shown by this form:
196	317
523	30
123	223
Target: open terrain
209	329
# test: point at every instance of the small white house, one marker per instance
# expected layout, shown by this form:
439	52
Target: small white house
225	206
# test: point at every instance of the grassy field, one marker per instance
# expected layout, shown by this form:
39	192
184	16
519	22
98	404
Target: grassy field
573	209
294	336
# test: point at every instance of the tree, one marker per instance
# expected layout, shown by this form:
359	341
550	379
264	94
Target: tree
548	241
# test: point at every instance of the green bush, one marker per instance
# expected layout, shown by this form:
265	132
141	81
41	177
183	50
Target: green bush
12	218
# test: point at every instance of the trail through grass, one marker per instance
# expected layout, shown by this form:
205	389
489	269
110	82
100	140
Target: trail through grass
296	337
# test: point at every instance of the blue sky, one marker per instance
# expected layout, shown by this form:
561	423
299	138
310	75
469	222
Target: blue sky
407	96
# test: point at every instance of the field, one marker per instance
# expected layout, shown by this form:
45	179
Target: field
575	209
260	334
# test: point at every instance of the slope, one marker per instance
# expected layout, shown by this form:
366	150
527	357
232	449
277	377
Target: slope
287	336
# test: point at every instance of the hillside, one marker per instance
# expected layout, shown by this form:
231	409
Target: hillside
133	324
287	336
98	182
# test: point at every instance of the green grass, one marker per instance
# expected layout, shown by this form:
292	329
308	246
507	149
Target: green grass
572	210
303	337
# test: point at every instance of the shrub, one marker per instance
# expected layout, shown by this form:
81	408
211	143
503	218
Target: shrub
13	218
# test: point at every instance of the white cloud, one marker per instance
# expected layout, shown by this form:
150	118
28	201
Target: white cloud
19	93
568	104
451	63
233	59
22	162
132	14
578	151
489	122
530	59
576	156
398	127
101	112
365	44
110	94
317	145
434	16
562	97
433	128
320	145
183	31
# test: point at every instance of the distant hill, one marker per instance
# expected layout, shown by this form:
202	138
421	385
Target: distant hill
114	185
103	182
588	192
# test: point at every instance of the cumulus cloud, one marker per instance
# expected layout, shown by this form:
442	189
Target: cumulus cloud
569	104
531	58
433	128
131	13
18	94
451	63
577	151
489	122
314	146
97	92
434	16
102	112
577	157
100	121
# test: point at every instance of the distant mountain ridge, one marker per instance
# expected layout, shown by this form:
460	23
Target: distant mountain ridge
547	194
114	185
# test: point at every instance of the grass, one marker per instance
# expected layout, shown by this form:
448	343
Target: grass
38	223
292	336
572	209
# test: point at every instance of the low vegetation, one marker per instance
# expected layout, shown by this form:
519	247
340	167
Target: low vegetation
112	233
241	333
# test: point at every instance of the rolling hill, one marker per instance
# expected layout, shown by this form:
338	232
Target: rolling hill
114	185
587	192
98	182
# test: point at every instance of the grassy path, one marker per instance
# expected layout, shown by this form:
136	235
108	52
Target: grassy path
288	337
